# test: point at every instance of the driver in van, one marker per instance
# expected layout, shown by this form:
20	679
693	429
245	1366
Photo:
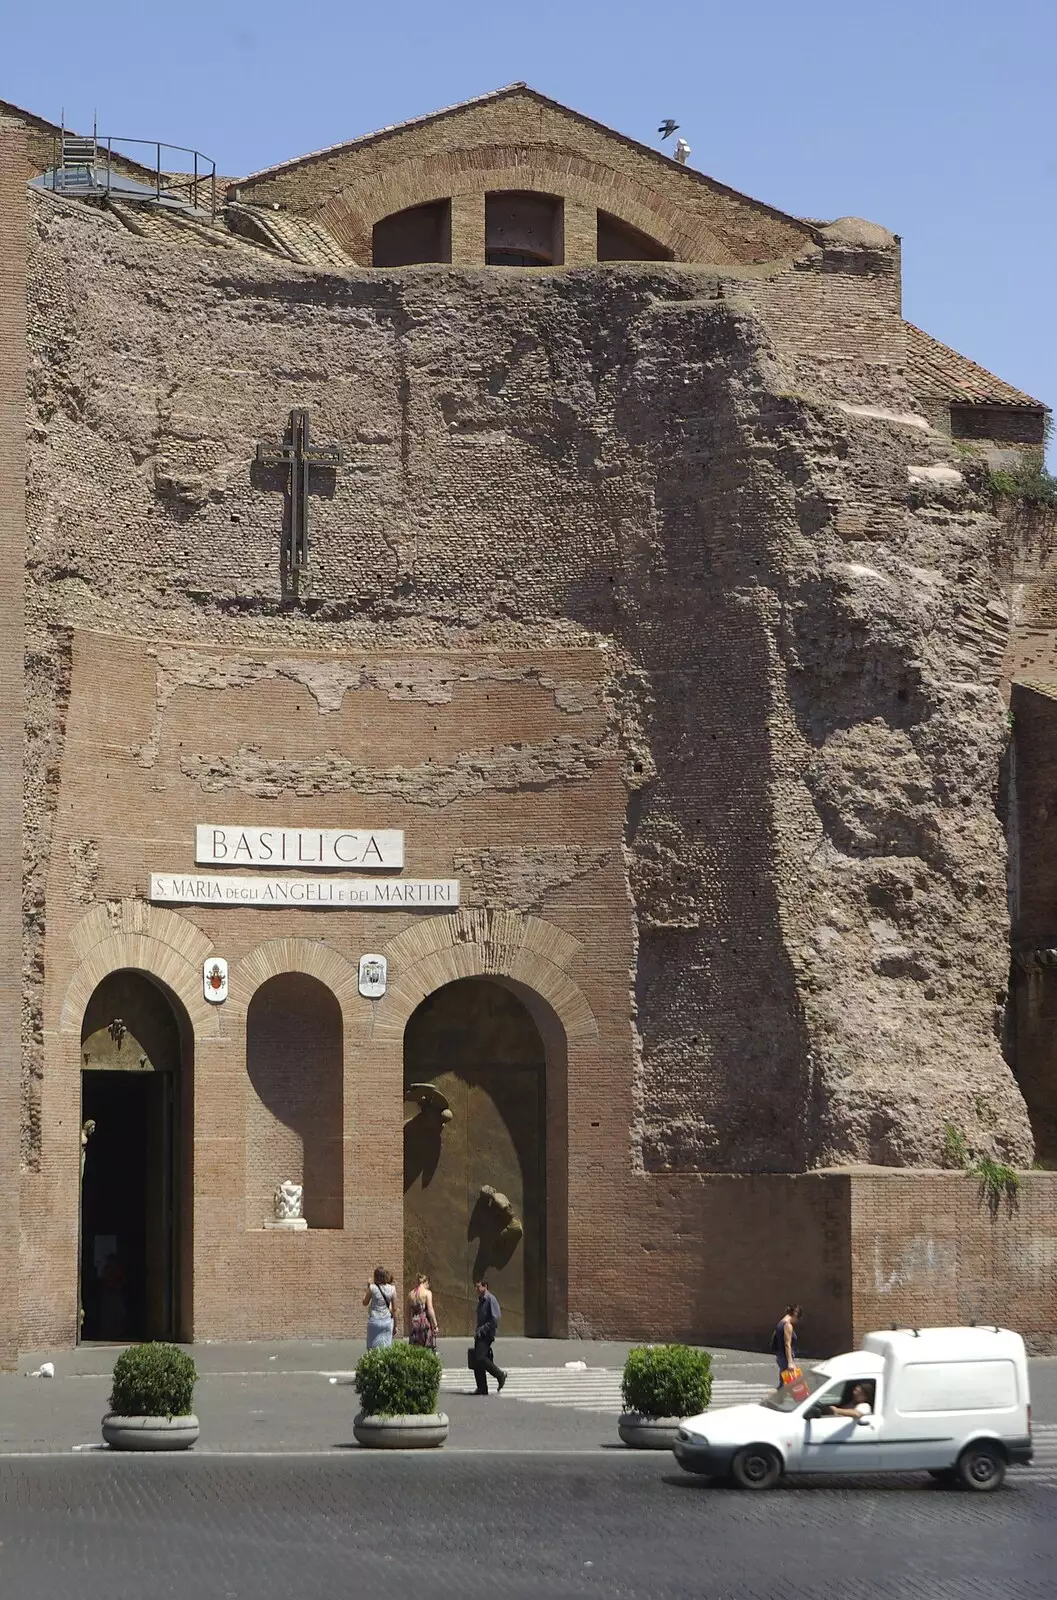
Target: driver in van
859	1403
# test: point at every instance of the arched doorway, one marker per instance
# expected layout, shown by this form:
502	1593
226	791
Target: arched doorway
135	1046
475	1153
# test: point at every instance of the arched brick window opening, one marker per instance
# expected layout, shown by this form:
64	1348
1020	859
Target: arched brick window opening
619	241
421	233
523	230
294	1114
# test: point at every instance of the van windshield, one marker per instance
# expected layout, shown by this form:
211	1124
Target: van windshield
792	1395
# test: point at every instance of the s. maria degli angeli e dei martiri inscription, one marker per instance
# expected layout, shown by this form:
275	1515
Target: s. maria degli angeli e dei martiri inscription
359	850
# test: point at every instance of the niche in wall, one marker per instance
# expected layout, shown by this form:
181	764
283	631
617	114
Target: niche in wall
523	229
421	233
619	241
295	1099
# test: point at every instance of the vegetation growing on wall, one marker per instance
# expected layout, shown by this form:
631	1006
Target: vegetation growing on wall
1029	482
998	1181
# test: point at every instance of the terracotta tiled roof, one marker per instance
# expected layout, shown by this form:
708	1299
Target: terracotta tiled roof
933	369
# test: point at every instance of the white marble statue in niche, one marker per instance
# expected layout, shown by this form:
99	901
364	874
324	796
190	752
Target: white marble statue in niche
287	1203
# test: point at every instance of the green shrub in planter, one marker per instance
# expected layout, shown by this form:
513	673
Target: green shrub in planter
667	1380
399	1380
153	1380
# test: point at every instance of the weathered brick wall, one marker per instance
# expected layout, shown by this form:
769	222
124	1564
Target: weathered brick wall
521	141
34	140
928	1250
617	608
12	555
998	425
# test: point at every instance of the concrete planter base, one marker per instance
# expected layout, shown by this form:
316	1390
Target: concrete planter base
401	1433
648	1433
150	1433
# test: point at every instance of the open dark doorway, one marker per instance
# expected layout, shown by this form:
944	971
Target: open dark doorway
131	1115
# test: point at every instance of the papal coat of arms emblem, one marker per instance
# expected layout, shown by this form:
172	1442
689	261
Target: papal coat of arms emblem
373	971
215	979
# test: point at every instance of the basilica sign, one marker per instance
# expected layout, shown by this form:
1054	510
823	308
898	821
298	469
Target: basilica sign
363	849
365	894
354	849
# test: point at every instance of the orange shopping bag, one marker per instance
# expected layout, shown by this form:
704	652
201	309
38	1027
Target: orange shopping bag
793	1380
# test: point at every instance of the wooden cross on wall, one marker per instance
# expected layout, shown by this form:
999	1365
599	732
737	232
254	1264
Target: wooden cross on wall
298	456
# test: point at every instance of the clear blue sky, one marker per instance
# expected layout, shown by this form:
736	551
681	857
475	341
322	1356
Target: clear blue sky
935	117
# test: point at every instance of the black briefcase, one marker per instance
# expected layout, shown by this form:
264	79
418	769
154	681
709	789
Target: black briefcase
470	1362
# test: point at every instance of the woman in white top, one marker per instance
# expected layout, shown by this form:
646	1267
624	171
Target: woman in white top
381	1318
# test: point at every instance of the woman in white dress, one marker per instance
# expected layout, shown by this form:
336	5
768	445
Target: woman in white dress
381	1317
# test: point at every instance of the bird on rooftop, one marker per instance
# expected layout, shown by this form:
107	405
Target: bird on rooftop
667	128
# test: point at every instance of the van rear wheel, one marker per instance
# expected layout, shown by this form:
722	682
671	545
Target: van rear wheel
981	1467
756	1467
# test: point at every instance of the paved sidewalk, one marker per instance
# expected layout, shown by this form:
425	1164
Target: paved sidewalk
331	1355
297	1398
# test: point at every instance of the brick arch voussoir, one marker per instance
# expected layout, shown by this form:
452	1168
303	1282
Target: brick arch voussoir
420	180
275	957
479	944
155	958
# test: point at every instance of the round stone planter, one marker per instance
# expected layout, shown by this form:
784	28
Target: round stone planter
150	1433
401	1433
648	1433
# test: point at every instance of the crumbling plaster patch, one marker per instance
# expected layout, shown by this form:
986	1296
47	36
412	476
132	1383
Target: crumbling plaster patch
522	876
433	681
561	760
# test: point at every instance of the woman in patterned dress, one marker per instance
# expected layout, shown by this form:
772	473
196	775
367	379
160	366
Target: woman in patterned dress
422	1327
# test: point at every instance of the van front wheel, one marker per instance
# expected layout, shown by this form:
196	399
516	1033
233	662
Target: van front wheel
982	1467
756	1467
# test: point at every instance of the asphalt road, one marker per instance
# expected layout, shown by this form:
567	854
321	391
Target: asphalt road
498	1525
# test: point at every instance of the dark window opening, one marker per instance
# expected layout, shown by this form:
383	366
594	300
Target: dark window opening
619	241
421	233
523	230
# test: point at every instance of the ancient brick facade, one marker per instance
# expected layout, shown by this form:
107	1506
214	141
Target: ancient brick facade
13	255
647	603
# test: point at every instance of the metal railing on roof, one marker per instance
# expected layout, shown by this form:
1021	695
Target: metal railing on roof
84	165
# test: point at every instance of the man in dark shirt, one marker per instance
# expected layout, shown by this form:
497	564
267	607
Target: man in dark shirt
487	1327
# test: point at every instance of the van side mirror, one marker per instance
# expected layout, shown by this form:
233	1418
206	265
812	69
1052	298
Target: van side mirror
813	1413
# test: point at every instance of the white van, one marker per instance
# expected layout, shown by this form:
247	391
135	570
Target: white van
952	1402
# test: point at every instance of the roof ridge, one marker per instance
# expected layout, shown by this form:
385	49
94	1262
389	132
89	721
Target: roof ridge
380	133
8	106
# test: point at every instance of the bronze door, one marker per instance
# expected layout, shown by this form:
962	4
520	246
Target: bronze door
474	1155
